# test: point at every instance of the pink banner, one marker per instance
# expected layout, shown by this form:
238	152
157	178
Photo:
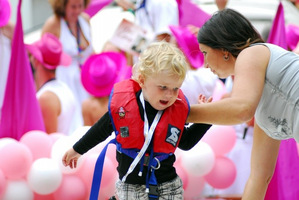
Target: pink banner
277	33
95	6
190	13
20	112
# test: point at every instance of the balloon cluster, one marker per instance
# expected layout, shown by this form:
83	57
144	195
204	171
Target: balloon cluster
31	168
207	163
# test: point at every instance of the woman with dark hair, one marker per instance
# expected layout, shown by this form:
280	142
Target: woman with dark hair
266	87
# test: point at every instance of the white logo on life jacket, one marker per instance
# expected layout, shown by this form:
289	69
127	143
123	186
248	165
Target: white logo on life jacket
173	135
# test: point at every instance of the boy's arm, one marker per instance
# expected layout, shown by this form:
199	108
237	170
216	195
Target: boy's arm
192	135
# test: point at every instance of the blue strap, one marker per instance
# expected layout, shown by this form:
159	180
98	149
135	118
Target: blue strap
97	175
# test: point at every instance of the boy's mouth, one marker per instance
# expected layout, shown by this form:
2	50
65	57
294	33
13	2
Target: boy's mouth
163	102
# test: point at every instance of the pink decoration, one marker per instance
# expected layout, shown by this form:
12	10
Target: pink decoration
95	6
219	90
109	175
190	13
277	33
194	188
286	176
2	183
55	136
38	142
72	187
20	112
43	197
182	173
221	139
15	160
223	173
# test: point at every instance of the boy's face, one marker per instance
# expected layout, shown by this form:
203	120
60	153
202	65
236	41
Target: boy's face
161	90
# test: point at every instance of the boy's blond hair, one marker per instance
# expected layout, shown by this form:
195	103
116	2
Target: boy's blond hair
161	57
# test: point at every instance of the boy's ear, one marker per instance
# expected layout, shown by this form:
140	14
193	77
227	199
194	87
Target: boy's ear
141	80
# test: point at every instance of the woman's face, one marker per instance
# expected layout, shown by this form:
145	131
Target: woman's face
73	9
214	59
161	90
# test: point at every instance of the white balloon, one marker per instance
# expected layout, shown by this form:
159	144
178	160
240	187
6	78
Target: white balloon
18	190
198	161
44	176
6	140
79	132
59	148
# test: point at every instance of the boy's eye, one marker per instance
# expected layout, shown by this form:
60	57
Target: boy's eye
163	87
204	53
175	89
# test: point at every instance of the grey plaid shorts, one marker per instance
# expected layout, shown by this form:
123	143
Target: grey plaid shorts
171	190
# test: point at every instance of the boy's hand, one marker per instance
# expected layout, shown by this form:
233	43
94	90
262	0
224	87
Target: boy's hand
70	158
202	99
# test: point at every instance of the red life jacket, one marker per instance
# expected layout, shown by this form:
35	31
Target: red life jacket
128	124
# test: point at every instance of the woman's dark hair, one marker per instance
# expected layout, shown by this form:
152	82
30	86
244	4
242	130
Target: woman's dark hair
228	30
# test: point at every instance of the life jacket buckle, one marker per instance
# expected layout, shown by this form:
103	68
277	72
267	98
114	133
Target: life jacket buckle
158	164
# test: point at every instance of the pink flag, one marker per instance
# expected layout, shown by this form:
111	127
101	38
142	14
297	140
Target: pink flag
286	175
277	33
190	13
95	6
283	185
20	111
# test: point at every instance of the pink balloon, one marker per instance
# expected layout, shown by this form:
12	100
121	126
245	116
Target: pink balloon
194	188
2	183
219	90
15	160
43	197
38	142
72	187
220	138
109	175
55	136
182	173
223	173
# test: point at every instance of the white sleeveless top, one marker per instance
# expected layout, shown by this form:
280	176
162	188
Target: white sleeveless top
5	51
67	103
278	110
71	75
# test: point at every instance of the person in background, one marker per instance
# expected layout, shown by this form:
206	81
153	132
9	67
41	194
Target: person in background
266	86
6	34
292	36
71	25
56	100
99	73
154	16
150	104
221	4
